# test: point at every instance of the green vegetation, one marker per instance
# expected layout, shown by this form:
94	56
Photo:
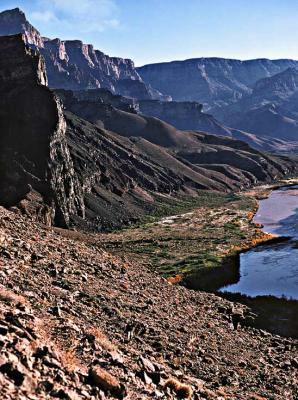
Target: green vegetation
166	206
192	235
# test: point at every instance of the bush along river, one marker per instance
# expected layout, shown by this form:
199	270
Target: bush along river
268	274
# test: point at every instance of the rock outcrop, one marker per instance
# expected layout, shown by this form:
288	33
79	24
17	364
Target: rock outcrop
14	21
35	165
71	64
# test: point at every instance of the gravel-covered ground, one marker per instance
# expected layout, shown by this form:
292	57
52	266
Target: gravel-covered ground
78	323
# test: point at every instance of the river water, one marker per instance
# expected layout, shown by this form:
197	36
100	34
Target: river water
272	269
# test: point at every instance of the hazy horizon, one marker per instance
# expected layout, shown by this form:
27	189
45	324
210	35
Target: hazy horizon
157	31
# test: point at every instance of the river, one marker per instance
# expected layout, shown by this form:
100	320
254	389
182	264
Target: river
272	269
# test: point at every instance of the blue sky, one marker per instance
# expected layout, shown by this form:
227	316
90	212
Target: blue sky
163	30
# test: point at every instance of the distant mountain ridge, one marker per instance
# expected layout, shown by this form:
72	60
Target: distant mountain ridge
271	109
215	82
256	96
71	64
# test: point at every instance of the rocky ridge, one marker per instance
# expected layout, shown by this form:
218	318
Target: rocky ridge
14	22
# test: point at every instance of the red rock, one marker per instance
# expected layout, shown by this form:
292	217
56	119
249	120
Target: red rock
104	380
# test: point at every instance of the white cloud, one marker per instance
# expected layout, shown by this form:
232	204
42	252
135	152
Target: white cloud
46	16
102	8
79	16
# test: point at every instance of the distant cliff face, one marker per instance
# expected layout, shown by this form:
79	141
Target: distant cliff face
271	109
72	64
185	115
75	65
36	171
215	82
256	96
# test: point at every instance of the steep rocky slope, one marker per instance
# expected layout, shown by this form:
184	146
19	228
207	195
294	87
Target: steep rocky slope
72	64
78	323
204	153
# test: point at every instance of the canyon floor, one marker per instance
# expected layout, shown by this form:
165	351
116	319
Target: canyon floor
81	323
204	232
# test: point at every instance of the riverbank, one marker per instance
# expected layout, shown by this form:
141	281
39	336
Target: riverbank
200	249
200	241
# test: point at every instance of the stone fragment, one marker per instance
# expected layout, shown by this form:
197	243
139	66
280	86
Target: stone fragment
104	380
